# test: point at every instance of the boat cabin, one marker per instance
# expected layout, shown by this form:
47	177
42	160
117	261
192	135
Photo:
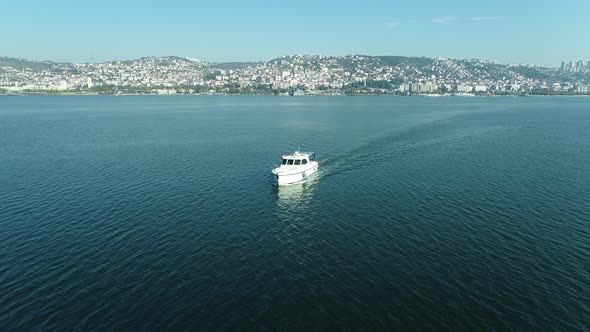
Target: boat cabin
297	159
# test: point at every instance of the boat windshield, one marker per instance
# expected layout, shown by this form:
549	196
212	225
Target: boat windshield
297	162
289	161
284	161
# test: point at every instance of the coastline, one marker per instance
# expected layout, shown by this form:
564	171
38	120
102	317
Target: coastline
22	94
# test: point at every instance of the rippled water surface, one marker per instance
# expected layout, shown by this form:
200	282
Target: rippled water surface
124	213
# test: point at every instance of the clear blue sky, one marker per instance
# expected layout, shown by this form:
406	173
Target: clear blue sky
537	32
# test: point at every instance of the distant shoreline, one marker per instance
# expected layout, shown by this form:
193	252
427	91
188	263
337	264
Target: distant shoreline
37	94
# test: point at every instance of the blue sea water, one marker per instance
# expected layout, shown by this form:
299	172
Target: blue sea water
147	212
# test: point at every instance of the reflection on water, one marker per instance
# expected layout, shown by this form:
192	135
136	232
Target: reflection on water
296	196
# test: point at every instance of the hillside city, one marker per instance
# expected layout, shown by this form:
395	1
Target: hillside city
294	75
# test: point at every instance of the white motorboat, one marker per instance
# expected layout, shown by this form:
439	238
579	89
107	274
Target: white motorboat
295	168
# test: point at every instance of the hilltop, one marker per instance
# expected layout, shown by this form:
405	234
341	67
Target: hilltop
24	64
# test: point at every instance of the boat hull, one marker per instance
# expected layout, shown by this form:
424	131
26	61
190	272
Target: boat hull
291	178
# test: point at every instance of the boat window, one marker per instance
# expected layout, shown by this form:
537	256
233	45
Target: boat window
284	161
297	162
290	162
304	161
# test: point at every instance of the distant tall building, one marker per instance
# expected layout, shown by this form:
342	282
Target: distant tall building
562	65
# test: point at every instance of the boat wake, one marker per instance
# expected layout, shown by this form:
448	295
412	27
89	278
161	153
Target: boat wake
392	146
